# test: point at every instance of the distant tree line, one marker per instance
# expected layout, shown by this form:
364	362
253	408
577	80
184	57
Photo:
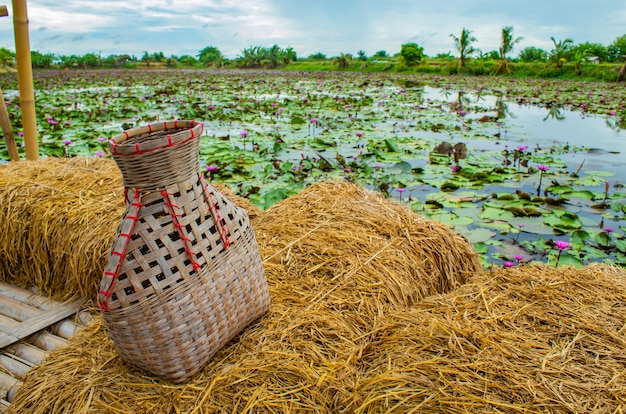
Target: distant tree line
411	54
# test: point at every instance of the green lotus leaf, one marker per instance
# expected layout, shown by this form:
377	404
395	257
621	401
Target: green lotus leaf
566	221
490	213
559	189
580	237
602	238
392	146
501	226
568	260
584	194
481	247
598	173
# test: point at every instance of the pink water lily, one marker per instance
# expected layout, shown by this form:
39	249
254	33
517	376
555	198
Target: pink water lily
561	244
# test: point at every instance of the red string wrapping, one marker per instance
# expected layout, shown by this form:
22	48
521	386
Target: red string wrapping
214	212
136	203
191	255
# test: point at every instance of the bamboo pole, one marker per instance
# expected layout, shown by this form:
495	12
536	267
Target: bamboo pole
25	79
5	122
7	131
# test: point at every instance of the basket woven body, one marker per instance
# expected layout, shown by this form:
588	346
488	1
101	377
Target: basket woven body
184	275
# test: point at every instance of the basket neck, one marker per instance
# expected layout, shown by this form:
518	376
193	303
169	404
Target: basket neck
153	159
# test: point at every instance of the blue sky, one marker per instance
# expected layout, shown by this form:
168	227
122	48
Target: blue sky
328	26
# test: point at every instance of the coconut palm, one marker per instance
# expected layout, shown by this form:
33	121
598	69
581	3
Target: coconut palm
289	55
508	42
561	48
506	47
464	45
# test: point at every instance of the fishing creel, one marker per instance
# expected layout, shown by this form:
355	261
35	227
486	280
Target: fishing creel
184	274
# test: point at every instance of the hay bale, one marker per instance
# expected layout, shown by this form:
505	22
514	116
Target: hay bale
57	221
528	339
340	244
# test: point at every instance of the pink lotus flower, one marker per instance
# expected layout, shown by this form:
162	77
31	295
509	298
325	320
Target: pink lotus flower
359	134
561	244
314	121
244	133
543	167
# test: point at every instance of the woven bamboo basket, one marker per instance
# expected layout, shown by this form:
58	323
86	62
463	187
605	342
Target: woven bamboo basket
184	274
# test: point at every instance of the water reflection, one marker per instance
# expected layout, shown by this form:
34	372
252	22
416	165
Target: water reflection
554	113
502	109
599	140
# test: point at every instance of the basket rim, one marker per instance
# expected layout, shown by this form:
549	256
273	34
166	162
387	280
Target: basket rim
181	132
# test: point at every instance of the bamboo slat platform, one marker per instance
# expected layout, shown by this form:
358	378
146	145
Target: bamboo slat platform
31	326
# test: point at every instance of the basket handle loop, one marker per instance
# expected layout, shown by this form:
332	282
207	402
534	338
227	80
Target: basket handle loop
214	212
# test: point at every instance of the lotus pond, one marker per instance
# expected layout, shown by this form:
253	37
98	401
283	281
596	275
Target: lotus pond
527	170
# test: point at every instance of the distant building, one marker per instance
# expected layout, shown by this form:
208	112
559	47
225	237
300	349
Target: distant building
593	59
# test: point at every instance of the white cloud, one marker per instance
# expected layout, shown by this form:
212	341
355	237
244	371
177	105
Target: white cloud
327	26
62	21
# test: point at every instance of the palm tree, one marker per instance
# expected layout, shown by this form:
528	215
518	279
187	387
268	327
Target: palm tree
508	42
557	55
464	45
289	55
506	47
272	56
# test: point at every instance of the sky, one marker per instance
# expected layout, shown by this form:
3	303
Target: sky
332	27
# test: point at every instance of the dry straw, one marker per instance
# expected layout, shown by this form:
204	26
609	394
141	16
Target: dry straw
375	309
525	340
57	222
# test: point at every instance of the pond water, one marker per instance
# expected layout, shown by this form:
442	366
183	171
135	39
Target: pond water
601	140
383	135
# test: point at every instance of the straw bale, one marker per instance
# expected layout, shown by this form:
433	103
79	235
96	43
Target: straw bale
349	247
527	339
57	221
